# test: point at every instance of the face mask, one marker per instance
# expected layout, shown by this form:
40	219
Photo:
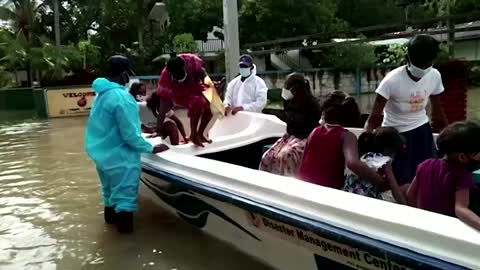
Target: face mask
418	72
245	72
322	121
287	94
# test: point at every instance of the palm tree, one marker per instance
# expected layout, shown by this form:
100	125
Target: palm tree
23	17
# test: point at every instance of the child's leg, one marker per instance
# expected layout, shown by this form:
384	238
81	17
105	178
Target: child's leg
206	117
171	131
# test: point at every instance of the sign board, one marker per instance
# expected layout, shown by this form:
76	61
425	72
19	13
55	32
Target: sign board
70	102
329	251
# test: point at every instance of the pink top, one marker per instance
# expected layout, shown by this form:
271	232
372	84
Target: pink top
323	162
180	93
438	180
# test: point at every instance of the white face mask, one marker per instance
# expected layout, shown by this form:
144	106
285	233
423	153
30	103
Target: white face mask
184	78
287	94
418	72
245	72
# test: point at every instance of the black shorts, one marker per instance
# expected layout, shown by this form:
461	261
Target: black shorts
420	146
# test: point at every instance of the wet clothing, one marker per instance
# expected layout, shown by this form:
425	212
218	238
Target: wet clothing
189	93
438	180
419	146
324	163
114	142
251	94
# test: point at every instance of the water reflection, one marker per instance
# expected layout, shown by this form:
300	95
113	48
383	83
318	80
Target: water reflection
51	215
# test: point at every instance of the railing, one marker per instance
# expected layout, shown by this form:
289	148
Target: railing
210	46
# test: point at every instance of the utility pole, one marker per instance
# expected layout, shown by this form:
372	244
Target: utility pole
451	30
57	22
232	43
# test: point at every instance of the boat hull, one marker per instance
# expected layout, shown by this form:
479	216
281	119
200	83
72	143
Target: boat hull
277	237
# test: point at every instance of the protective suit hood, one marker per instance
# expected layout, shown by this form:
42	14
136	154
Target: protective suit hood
102	85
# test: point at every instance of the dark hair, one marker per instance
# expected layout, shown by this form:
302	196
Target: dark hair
423	49
117	65
299	83
135	89
153	102
459	137
176	66
342	109
387	141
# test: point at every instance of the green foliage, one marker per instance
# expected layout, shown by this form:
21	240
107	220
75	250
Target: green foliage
395	54
361	13
262	20
194	16
346	56
184	43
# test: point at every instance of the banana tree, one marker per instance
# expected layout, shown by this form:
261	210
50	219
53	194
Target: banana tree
23	19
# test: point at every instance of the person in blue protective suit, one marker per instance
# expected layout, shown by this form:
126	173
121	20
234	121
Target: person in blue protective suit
114	143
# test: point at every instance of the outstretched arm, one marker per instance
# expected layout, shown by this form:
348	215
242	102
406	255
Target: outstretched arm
164	107
352	161
462	200
375	118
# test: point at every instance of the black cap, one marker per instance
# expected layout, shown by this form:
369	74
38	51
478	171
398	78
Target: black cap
246	61
119	64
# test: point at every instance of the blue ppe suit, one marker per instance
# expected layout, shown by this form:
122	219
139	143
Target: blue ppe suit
114	142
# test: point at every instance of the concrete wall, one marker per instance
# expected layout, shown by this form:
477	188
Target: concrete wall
468	50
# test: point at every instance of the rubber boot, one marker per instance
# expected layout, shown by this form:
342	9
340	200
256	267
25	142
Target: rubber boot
109	215
124	222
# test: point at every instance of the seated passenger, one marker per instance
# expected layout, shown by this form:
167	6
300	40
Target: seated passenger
171	125
443	185
302	111
330	147
377	150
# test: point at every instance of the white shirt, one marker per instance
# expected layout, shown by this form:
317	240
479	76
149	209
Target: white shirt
407	100
251	94
146	115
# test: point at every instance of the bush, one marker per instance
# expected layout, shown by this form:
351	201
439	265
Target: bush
184	43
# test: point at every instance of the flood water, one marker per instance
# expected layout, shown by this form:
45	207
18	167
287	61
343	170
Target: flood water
51	216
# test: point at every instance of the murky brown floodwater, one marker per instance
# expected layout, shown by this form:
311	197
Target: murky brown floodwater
51	212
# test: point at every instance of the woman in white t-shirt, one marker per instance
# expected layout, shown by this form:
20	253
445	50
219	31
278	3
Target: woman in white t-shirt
172	125
403	96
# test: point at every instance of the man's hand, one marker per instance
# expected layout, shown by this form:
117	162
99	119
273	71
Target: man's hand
228	110
236	110
159	148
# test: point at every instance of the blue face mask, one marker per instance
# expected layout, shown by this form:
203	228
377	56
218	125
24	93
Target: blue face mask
245	72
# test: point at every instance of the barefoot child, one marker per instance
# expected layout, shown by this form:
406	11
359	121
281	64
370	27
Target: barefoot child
171	125
443	185
377	150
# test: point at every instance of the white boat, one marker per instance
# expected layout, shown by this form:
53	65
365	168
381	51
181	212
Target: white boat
294	225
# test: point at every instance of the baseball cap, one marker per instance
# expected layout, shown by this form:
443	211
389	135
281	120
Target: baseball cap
245	60
118	64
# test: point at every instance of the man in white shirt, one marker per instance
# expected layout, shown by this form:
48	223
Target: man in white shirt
247	92
403	96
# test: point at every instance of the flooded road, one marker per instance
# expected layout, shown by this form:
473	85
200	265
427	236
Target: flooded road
51	216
